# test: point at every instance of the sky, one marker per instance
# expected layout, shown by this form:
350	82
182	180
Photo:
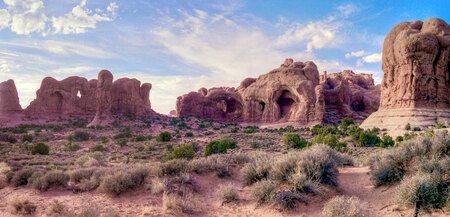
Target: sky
181	46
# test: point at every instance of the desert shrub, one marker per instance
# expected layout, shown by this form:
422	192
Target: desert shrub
122	142
51	179
408	126
345	207
79	136
27	138
389	168
78	175
284	166
345	122
21	177
91	159
164	137
173	167
227	193
423	191
90	210
104	139
287	200
72	147
234	130
40	148
257	169
214	163
367	139
294	141
189	134
398	139
386	141
416	129
139	138
184	151
23	207
249	130
440	125
124	180
98	147
219	146
57	208
262	191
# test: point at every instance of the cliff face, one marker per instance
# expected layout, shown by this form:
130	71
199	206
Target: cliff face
416	83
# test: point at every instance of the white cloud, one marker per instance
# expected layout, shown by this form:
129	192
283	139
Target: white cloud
80	19
75	70
26	16
5	17
112	8
355	54
374	58
348	9
316	35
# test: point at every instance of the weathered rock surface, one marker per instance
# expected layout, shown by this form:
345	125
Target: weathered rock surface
103	115
416	82
292	93
348	94
9	98
78	96
71	96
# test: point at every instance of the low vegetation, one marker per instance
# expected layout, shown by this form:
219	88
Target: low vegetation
219	146
344	206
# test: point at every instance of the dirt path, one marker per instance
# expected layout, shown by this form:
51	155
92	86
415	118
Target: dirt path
355	181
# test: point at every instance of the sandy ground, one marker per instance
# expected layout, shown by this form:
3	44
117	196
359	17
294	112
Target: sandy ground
353	181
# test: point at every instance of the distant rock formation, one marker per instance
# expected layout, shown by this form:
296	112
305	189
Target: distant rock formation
348	94
103	114
9	98
292	93
76	96
71	96
416	82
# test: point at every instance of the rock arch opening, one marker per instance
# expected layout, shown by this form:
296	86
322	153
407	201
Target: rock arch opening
285	102
56	102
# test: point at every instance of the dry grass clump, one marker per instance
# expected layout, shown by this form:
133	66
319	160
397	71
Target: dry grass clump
344	207
172	167
123	180
262	190
21	177
158	186
287	200
227	193
51	179
257	169
57	208
391	166
178	204
23	207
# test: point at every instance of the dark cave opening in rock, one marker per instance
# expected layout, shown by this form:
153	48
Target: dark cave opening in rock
230	105
262	106
285	102
56	101
357	107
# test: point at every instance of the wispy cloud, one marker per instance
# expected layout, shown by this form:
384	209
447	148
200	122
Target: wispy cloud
355	54
373	58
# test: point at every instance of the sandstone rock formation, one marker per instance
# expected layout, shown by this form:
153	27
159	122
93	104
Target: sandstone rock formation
71	96
292	93
103	114
348	94
416	82
76	96
9	98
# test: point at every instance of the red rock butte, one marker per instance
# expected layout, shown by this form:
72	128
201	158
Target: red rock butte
294	94
76	96
416	82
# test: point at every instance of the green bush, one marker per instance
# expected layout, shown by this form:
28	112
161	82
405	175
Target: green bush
122	142
72	147
219	146
125	133
104	139
79	136
27	138
139	138
189	134
184	151
398	139
386	141
40	148
408	126
345	123
249	130
164	137
234	130
98	147
416	129
294	141
441	125
368	139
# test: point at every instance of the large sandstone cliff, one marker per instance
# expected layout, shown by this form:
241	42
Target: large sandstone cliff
416	83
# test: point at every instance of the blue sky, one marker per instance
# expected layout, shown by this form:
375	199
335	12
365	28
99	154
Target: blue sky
180	46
